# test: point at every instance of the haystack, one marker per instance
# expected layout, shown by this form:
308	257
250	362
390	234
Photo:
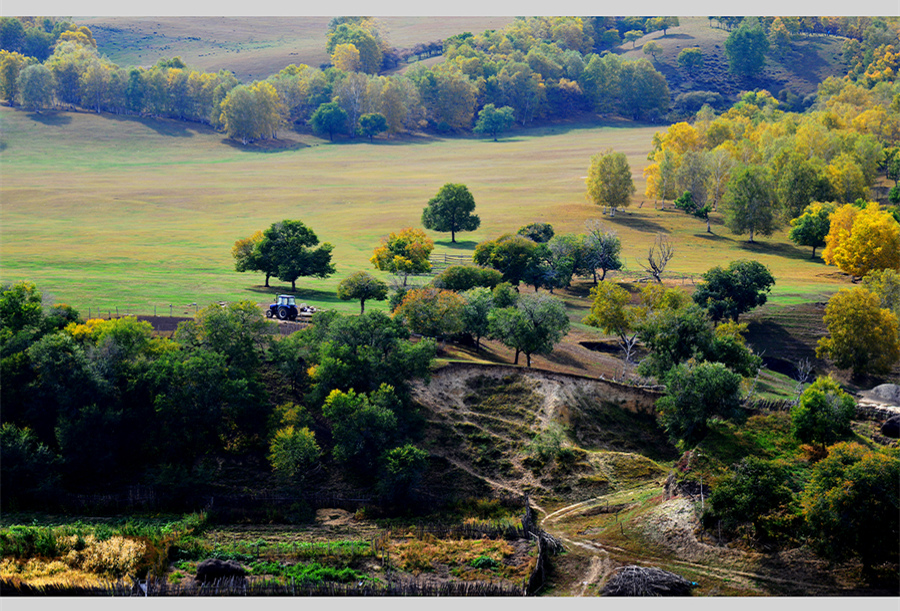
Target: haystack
647	581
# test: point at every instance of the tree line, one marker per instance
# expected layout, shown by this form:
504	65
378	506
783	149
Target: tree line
538	67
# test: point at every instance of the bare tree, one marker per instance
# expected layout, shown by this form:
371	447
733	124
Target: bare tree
661	252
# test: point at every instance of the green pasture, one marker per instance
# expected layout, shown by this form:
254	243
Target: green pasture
102	212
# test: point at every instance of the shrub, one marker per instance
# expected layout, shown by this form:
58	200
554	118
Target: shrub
823	414
465	277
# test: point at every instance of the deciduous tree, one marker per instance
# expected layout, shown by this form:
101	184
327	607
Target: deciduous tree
690	59
329	118
493	120
861	334
609	181
533	326
362	286
404	253
539	232
289	244
823	413
746	48
750	203
851	505
729	292
860	241
293	451
253	255
371	124
509	254
811	227
432	312
451	210
694	393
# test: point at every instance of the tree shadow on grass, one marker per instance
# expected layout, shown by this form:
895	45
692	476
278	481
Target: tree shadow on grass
277	145
163	127
458	245
55	119
633	221
300	293
781	250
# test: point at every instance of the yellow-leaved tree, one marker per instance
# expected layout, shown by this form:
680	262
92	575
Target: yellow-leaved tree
862	239
404	253
861	334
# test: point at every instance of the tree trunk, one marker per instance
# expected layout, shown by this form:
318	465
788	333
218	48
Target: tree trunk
751	236
362	307
452	236
708	230
602	278
528	359
516	362
814	253
267	280
294	285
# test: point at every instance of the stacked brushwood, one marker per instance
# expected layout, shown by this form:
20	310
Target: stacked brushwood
646	581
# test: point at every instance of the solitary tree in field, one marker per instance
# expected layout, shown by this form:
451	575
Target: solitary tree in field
451	210
632	36
493	120
289	245
609	180
362	286
691	59
652	48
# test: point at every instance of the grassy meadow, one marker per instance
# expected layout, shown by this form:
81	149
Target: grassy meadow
254	47
103	212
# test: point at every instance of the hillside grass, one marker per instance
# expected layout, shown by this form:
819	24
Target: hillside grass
254	47
809	61
103	212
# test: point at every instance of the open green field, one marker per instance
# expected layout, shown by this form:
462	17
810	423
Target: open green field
253	47
103	212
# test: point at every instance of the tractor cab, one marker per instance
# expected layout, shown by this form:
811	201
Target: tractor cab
284	308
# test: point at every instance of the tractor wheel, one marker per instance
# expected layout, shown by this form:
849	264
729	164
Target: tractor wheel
269	314
282	313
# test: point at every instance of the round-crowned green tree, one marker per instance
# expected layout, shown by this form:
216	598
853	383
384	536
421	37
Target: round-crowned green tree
493	120
362	286
729	292
451	210
823	414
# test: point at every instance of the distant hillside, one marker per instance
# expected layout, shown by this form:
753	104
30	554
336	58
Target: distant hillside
253	47
810	62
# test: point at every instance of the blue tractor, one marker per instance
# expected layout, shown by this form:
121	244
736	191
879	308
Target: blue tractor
284	308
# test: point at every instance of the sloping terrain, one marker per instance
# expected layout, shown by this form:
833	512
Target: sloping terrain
519	430
253	47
